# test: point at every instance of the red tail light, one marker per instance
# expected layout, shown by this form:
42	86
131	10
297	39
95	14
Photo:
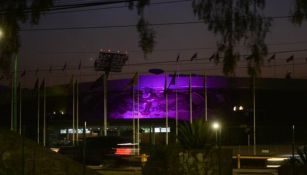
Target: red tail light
123	151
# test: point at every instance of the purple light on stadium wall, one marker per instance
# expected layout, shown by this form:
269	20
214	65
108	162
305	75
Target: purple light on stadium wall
152	98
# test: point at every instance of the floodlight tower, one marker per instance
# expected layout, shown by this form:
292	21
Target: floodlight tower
107	62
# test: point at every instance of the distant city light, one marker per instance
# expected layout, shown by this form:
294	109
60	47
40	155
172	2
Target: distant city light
234	108
238	108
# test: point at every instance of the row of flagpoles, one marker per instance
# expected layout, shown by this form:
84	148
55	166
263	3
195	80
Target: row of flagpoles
136	119
75	105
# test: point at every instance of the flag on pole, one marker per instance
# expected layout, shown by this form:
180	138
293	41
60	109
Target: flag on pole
64	67
98	82
211	57
291	58
193	57
133	81
272	58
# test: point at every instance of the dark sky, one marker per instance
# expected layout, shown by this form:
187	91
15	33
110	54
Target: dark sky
53	48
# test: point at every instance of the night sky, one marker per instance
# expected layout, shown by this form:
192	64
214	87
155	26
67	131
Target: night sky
44	48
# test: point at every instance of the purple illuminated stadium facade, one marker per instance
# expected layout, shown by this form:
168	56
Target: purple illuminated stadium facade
152	99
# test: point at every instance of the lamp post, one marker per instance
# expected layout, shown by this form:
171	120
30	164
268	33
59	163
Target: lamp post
14	88
217	128
1	33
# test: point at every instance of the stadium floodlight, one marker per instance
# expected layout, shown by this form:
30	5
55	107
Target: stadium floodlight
110	61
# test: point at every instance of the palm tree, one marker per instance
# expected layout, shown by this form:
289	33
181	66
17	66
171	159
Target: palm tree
198	156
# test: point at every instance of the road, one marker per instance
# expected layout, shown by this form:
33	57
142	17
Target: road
117	171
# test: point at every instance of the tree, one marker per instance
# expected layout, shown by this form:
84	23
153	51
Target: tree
300	12
12	14
237	22
146	33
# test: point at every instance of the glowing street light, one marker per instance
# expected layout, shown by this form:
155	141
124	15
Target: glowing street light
1	33
215	126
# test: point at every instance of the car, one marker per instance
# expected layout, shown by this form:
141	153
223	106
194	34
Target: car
104	150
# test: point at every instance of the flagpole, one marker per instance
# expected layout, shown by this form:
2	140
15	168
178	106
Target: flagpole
190	93
44	114
15	93
138	119
38	111
133	117
105	104
254	113
166	110
176	103
20	110
176	98
77	88
73	111
77	112
12	105
206	97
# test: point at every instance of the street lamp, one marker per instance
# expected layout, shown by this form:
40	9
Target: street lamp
217	127
1	33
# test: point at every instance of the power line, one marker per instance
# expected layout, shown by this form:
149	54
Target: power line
60	68
164	50
119	26
115	7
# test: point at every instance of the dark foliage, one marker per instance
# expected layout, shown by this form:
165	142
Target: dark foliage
163	160
197	135
236	22
299	12
13	13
